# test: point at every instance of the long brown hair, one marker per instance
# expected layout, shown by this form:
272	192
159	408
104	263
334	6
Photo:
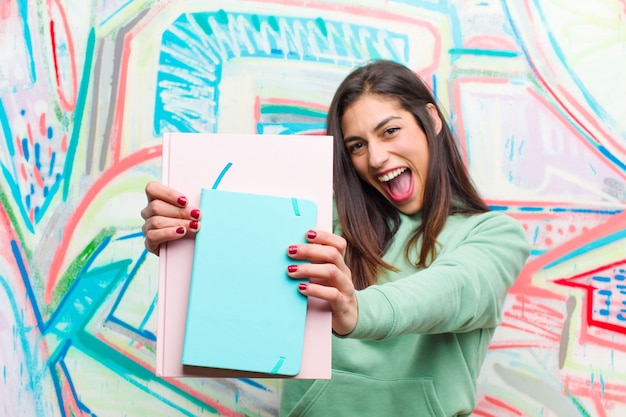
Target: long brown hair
367	220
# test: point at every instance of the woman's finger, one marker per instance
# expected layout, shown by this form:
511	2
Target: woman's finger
343	305
317	253
325	274
156	237
157	191
328	239
161	222
164	209
158	230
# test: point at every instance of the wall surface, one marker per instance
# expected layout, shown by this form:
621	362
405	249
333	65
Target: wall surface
535	92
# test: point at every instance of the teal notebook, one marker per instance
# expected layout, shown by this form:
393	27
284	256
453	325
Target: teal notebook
244	312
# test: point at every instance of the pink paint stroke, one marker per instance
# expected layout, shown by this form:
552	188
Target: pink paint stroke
104	179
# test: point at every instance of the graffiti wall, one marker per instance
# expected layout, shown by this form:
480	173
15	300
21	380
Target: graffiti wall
534	90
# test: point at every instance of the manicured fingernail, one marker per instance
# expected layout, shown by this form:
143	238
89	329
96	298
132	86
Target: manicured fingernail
182	200
193	225
195	214
180	230
293	250
292	268
311	234
303	286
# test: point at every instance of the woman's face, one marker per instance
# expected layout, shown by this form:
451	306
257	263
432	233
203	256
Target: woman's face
388	149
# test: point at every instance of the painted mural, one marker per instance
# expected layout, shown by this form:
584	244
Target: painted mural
534	89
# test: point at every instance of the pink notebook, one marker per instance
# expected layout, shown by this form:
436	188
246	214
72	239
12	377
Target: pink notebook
282	165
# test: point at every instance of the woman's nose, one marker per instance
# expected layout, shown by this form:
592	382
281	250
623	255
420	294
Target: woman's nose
378	155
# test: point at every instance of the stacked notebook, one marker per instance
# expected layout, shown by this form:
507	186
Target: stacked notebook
240	315
244	312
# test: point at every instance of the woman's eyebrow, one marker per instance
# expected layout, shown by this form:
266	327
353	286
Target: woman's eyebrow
374	130
384	122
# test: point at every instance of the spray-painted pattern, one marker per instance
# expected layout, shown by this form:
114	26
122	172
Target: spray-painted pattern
534	92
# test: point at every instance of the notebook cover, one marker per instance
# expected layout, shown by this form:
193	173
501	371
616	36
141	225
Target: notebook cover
244	312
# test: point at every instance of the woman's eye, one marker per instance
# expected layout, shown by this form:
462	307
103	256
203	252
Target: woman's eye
355	147
390	131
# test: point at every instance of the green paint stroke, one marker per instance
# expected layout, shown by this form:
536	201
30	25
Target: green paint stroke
13	220
578	405
75	268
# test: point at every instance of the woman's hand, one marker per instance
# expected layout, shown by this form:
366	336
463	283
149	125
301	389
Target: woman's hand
167	216
332	279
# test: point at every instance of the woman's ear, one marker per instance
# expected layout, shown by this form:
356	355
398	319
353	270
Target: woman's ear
434	116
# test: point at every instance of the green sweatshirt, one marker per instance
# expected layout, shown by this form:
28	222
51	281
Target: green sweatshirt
422	334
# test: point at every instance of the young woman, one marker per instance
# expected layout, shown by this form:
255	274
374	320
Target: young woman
416	270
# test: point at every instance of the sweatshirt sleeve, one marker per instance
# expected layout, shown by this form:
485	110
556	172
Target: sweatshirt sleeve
462	290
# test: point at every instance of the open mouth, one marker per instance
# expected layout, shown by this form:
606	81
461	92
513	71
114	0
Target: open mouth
398	184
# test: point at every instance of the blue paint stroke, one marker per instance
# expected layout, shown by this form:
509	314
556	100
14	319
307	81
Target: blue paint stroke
27	285
456	31
84	297
590	100
484	52
116	12
80	112
138	376
52	191
435	5
603	241
496	207
81	406
313	120
149	312
111	318
25	149
194	48
290	128
35	386
130	236
23	12
37	155
585	211
6	129
83	300
253	383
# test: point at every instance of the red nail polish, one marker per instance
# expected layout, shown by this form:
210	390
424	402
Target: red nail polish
293	250
193	225
292	268
180	230
182	200
311	234
302	286
195	214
